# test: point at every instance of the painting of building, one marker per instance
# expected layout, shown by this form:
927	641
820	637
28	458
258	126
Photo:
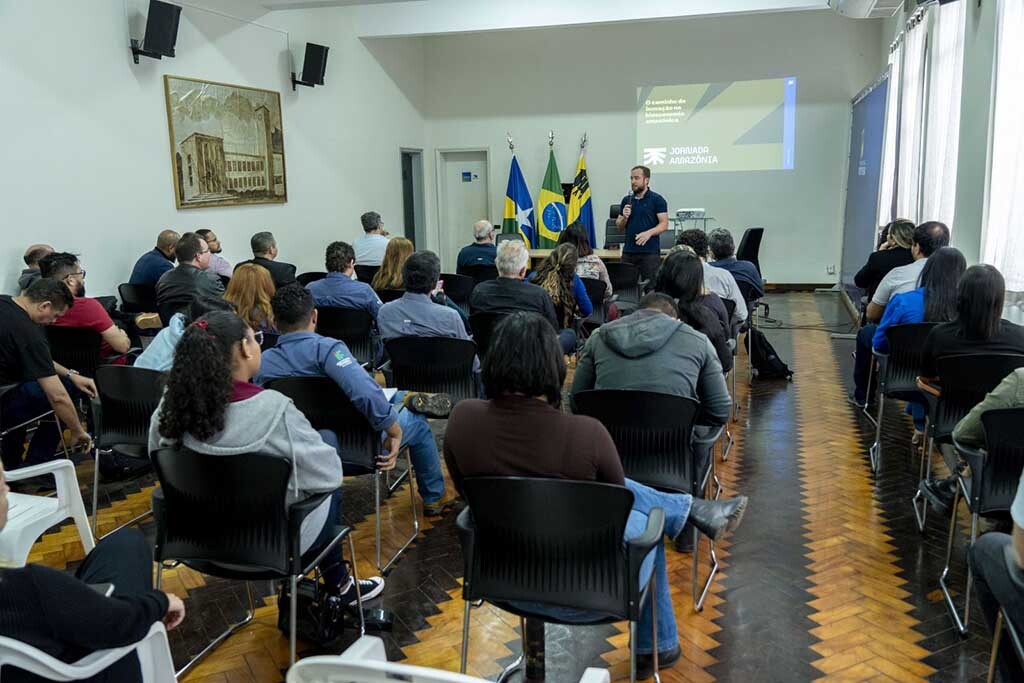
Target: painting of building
227	144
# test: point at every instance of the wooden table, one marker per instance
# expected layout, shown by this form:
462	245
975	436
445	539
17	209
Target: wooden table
615	255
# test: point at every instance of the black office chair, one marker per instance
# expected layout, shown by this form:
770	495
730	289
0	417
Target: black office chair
753	300
989	491
479	273
226	516
366	273
326	406
554	542
734	345
312	276
434	365
597	291
75	347
354	327
167	309
269	340
7	429
483	325
225	280
1003	623
126	399
458	288
137	298
625	279
653	434
387	295
750	247
897	375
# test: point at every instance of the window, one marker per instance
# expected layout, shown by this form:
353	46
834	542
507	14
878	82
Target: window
908	179
887	191
190	181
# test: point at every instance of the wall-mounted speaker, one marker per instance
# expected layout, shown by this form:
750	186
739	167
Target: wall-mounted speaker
314	66
161	31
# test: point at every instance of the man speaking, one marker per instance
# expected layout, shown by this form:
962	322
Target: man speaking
644	216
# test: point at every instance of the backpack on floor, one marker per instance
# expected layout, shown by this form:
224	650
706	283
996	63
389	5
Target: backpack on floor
764	359
319	621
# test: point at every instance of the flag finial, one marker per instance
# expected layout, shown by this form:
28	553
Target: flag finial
511	145
583	141
551	138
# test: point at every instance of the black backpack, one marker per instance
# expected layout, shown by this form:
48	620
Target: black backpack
764	359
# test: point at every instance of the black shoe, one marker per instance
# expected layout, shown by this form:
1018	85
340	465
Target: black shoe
852	398
368	589
939	492
666	658
437	406
713	518
115	467
684	541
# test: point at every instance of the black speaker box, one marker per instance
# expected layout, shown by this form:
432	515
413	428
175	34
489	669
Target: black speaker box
161	28
315	64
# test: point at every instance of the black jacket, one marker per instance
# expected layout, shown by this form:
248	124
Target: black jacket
177	287
878	265
281	273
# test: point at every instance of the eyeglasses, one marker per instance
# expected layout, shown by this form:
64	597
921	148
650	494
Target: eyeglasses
258	337
80	272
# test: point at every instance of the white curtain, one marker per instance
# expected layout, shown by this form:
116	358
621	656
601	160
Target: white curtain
892	122
1003	232
942	139
908	185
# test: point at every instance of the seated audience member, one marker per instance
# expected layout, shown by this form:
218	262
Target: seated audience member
977	329
588	264
1009	394
927	238
211	407
557	276
42	384
681	277
482	251
523	374
389	276
251	290
301	352
652	350
893	252
178	286
338	288
86	313
264	253
157	261
933	301
218	264
717	280
723	249
369	248
33	255
509	292
64	616
159	355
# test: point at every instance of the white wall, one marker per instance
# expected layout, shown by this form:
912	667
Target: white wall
585	79
86	156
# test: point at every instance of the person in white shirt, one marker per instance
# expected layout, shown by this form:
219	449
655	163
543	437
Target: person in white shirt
218	264
371	246
717	280
928	237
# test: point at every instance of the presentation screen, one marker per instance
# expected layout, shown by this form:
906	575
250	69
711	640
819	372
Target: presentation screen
732	126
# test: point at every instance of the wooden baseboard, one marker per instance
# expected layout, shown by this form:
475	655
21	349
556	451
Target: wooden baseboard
779	287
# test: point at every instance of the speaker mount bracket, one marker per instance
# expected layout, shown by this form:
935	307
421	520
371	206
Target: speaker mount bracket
138	49
296	81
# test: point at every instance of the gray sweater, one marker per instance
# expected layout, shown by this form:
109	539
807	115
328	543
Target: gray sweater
650	351
270	424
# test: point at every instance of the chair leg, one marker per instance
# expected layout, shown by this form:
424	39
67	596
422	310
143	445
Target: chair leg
355	580
960	623
994	657
239	624
293	616
383	569
735	401
875	452
918	502
95	489
867	392
700	592
632	652
520	661
467	606
652	595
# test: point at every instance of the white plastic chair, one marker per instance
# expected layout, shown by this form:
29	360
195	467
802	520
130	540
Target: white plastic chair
29	516
365	661
153	651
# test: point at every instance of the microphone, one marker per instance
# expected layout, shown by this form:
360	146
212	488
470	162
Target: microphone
632	198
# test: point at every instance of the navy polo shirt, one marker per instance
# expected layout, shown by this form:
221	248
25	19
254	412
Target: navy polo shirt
644	217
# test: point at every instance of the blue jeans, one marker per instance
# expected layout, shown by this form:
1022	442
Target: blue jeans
677	509
21	404
567	338
332	567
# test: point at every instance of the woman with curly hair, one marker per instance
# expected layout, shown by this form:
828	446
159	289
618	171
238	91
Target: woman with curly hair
557	276
390	274
210	407
250	290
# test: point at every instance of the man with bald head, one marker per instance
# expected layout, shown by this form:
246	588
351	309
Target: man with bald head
482	251
157	261
33	255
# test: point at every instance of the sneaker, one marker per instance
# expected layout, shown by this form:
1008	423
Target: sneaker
368	589
148	321
437	406
666	658
939	492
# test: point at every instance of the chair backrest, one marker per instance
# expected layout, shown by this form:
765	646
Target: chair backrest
269	340
508	237
387	295
552	541
965	380
613	234
312	276
75	347
245	494
614	211
995	486
625	279
433	364
128	397
167	309
596	290
326	406
479	273
750	247
137	298
366	273
903	364
652	433
354	327
458	288
483	325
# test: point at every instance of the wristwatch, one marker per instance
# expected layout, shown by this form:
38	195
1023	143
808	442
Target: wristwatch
73	372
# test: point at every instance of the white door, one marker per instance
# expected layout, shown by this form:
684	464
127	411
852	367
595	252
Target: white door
463	201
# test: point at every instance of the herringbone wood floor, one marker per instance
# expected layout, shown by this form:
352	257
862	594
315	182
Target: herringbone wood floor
827	579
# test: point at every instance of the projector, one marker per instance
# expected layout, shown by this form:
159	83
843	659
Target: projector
690	214
866	9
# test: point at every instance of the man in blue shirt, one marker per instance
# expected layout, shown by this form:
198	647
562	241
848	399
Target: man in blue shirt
644	216
301	352
482	251
338	288
157	261
723	249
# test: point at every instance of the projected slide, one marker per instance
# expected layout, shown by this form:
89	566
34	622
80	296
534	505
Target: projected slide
733	126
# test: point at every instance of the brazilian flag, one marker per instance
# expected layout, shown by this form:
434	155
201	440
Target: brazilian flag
580	207
518	215
550	207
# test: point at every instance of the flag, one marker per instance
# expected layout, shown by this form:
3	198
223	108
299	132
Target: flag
550	207
580	207
518	217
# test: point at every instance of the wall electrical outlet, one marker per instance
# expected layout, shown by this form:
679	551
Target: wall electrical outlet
830	269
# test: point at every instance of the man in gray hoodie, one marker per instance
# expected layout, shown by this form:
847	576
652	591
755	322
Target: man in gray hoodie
652	350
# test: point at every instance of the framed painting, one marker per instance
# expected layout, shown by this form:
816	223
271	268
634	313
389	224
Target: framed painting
227	144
